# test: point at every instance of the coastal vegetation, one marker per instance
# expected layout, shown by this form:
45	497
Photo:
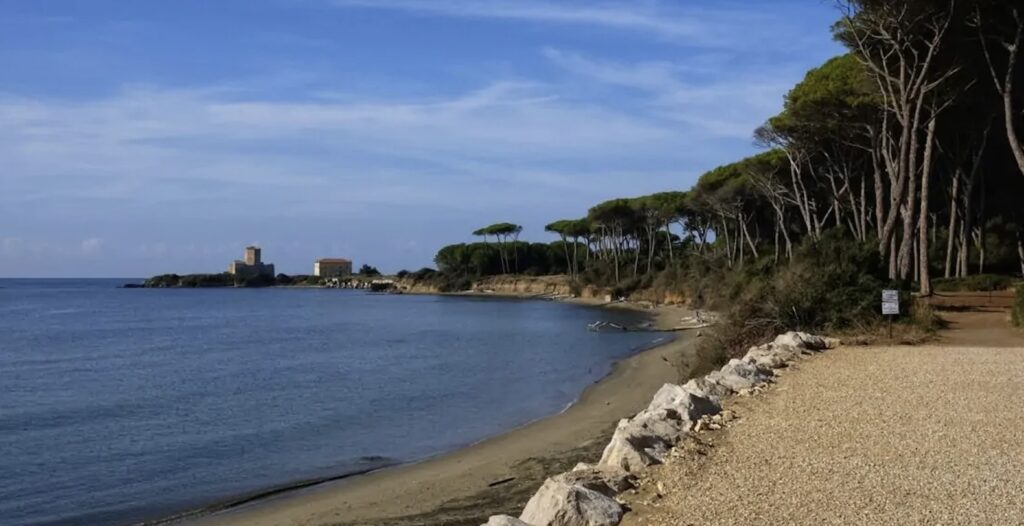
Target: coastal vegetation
485	259
225	279
367	270
895	165
976	283
297	280
190	281
505	234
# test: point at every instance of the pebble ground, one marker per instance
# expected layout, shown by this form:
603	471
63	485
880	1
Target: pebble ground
859	435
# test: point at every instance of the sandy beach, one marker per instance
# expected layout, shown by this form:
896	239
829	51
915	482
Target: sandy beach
496	475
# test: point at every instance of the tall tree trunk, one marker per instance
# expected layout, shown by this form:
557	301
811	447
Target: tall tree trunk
568	263
615	256
504	254
967	208
750	242
652	230
515	250
775	255
728	244
982	227
876	166
954	206
1020	248
892	257
915	256
1004	85
576	256
979	241
924	261
668	242
958	272
911	203
739	240
966	233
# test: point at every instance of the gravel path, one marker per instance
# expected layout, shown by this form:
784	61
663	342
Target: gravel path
860	435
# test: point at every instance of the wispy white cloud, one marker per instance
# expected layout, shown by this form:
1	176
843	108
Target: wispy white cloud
709	24
730	104
639	16
301	151
160	166
175	141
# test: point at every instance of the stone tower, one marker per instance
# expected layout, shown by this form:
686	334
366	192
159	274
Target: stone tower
252	255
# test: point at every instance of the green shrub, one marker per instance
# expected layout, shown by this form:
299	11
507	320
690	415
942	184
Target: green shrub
485	259
923	316
252	281
830	285
631	284
191	280
423	274
976	283
367	270
442	281
163	281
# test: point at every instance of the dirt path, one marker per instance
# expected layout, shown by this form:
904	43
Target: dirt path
984	327
865	435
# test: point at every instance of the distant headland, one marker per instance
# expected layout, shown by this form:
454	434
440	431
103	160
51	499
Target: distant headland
252	271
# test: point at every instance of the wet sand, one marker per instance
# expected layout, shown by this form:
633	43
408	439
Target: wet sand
496	475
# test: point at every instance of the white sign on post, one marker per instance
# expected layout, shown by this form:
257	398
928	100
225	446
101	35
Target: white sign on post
890	302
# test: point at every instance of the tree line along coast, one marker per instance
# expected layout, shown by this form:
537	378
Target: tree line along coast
895	165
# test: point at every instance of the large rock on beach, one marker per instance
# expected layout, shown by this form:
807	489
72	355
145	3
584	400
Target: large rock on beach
606	480
558	503
690	406
738	375
802	340
644	440
771	355
505	520
707	388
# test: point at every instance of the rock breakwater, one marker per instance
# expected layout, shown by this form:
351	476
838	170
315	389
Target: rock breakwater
587	495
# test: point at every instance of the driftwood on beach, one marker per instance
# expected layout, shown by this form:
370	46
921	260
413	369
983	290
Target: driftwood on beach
697	321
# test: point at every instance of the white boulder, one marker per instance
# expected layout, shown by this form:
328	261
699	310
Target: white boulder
706	388
771	355
557	503
691	406
606	480
644	440
505	520
738	375
802	340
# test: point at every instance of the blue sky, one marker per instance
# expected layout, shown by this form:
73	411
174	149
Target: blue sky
149	136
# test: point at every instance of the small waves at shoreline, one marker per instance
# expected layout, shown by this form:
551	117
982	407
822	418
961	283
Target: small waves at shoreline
361	466
150	403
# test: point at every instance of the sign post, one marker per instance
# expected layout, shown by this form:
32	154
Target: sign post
890	307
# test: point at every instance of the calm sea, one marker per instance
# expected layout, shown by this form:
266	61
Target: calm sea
123	405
